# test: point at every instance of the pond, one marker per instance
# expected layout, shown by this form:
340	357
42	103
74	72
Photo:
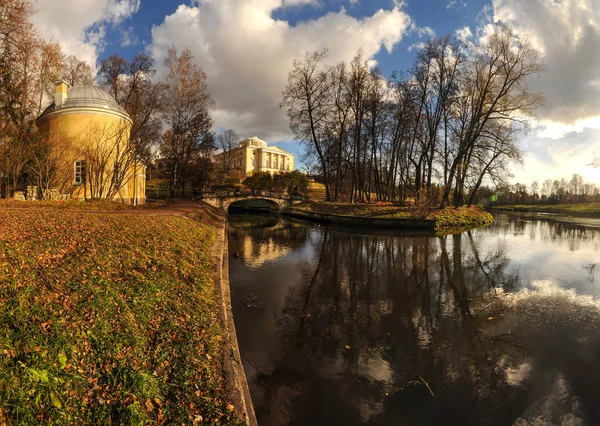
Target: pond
495	326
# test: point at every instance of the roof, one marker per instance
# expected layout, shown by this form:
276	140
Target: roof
257	142
277	149
260	144
86	97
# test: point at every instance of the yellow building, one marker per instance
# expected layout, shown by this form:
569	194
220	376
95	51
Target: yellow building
91	132
253	155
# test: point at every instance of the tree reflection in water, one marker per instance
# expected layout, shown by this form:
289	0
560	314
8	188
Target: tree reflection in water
416	330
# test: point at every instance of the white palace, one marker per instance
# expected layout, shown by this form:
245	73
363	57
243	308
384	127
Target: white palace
253	155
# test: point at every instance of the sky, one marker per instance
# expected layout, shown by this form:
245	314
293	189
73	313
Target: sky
247	47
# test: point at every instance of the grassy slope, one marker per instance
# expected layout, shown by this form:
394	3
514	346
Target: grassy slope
448	217
582	209
108	319
96	205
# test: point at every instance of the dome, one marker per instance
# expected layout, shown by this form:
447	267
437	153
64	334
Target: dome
253	142
87	97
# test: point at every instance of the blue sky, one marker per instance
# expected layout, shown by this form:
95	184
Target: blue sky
246	48
445	21
442	17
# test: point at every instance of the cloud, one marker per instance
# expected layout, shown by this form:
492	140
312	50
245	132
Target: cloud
80	25
129	37
567	35
464	34
247	54
455	4
556	158
416	46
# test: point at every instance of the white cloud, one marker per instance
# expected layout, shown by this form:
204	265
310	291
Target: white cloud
554	157
129	37
287	3
247	54
464	34
567	36
416	46
455	4
80	25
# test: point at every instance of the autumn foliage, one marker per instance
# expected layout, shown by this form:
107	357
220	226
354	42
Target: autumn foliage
108	319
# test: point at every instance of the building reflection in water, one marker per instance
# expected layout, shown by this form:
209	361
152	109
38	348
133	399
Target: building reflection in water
377	329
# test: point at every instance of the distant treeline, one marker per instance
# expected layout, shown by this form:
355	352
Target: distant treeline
575	190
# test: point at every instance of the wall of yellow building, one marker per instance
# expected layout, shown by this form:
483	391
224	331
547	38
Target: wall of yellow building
261	160
75	131
249	155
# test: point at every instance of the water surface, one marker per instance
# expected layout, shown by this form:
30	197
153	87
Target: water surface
496	326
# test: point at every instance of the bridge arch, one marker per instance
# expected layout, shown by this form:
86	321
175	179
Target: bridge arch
223	200
273	203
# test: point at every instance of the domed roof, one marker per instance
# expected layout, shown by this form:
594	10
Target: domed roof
87	97
253	142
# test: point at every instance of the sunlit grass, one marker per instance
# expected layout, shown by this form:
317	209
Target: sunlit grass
108	319
581	209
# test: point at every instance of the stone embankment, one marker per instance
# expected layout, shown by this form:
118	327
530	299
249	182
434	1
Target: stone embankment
237	385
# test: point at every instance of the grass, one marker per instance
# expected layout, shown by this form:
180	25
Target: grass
95	205
580	209
108	319
445	218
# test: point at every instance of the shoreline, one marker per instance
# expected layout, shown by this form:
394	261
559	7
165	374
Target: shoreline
581	210
391	217
235	377
361	221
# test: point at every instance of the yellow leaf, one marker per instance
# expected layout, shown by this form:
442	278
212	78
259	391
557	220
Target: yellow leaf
55	400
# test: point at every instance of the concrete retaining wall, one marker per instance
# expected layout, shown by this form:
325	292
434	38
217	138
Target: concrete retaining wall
236	384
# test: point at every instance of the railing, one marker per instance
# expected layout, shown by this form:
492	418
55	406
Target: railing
248	193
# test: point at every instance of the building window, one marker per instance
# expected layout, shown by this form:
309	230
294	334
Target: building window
79	178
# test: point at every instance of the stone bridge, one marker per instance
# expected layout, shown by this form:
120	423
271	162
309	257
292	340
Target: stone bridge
223	199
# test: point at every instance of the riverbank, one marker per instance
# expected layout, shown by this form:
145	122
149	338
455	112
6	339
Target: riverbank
113	318
590	210
390	215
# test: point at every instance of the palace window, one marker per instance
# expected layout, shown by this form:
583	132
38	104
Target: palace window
79	178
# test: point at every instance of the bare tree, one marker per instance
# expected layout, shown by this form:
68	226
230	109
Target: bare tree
112	70
50	71
76	72
109	159
227	141
187	112
307	99
494	93
51	167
